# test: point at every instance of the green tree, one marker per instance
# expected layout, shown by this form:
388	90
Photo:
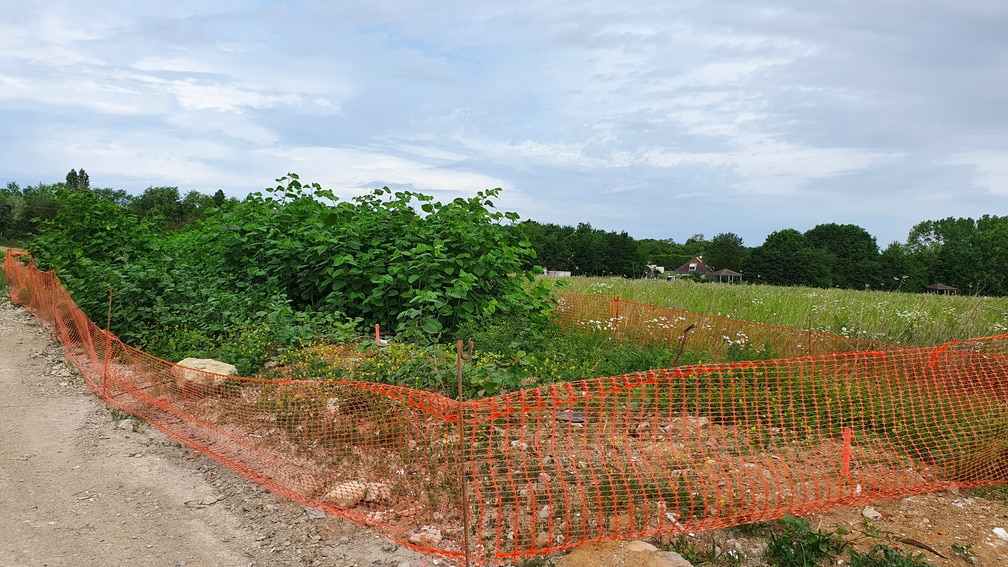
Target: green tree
194	206
852	254
78	179
780	260
725	251
948	248
161	206
586	250
900	270
991	243
695	247
665	253
552	244
620	255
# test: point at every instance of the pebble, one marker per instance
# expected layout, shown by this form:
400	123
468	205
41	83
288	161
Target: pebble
871	513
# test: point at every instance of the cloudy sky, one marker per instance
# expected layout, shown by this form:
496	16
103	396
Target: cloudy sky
663	119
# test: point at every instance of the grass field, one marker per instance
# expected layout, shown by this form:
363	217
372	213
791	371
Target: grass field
894	317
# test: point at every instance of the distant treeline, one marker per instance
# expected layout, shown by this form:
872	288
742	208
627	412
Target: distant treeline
23	210
969	254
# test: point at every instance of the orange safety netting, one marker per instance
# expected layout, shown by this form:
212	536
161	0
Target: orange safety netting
839	423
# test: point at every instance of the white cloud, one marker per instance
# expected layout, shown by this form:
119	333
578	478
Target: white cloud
348	170
989	169
576	108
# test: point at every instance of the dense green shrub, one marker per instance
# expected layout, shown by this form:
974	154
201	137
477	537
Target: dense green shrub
403	260
275	270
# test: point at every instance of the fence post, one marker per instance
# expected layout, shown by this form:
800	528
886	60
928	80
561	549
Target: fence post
460	358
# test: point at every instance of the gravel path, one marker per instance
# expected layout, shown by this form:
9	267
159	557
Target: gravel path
82	486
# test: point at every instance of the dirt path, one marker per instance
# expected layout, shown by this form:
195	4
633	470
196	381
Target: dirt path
82	486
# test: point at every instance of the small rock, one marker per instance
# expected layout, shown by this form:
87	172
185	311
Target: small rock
1001	533
314	513
871	513
126	425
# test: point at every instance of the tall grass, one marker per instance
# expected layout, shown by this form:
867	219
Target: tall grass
913	319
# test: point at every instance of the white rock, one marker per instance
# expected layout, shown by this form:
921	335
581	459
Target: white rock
871	513
1001	533
202	375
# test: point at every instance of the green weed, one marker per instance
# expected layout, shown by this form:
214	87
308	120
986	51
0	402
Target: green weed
965	552
885	556
796	544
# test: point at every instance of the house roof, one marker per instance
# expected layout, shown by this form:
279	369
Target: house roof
942	287
697	265
726	272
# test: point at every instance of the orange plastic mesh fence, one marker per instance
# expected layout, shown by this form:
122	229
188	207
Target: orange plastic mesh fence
660	452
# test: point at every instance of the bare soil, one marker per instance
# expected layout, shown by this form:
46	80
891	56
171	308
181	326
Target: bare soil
82	485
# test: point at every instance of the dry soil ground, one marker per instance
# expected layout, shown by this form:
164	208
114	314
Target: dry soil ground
83	486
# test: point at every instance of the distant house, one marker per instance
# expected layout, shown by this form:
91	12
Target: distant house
726	276
941	289
694	268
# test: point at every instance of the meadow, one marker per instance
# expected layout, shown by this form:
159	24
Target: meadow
912	319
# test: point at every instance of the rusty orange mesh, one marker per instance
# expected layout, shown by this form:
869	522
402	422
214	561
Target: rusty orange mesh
505	478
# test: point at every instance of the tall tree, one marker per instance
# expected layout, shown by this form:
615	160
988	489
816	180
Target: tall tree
900	270
779	260
552	244
160	202
991	242
854	254
947	247
725	251
78	179
695	246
